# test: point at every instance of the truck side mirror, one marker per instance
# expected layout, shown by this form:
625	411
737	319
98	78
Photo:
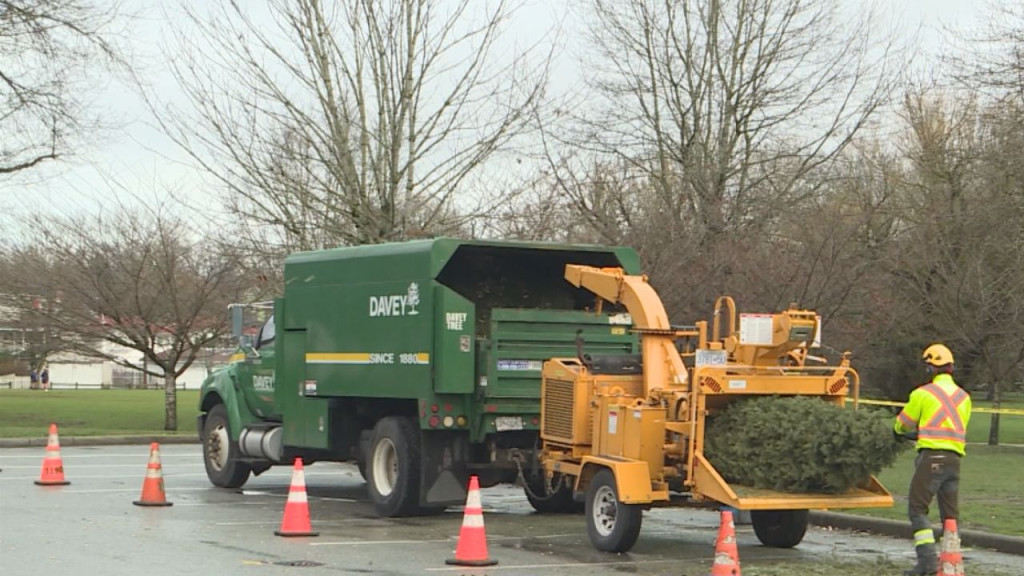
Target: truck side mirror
237	312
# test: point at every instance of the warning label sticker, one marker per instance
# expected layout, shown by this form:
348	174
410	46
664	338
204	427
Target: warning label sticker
756	329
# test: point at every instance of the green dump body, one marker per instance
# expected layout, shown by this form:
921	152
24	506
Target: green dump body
448	333
460	325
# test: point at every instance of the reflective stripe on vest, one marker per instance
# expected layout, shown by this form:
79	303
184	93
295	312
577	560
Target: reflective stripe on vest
934	430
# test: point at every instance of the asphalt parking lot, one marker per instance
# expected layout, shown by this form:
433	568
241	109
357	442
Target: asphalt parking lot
91	528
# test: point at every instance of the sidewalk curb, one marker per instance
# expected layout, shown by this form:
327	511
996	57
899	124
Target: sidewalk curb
901	529
100	440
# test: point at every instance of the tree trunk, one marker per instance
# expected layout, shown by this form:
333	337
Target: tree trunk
170	402
993	428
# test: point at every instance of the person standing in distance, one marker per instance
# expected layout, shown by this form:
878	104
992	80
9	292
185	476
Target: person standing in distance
936	416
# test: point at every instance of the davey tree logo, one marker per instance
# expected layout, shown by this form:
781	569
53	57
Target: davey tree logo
396	305
412	297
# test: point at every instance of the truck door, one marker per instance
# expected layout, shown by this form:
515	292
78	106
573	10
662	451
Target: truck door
256	373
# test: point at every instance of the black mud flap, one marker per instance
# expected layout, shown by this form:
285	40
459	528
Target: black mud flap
443	476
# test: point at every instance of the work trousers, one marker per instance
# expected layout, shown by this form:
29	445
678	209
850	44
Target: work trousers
936	473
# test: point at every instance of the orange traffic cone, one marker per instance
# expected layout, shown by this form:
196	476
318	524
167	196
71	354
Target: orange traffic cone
951	562
296	509
471	549
153	485
53	466
727	557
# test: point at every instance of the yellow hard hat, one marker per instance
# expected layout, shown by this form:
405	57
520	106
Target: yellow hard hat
937	355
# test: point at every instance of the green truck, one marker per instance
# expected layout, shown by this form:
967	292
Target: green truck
418	361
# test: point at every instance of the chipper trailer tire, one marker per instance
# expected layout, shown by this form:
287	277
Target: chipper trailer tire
612	525
780	528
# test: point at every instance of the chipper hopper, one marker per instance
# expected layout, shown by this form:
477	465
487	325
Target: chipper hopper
629	431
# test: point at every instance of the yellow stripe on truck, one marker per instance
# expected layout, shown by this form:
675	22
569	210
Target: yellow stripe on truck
338	358
385	358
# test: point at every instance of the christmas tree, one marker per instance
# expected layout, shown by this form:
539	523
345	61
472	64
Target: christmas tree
799	444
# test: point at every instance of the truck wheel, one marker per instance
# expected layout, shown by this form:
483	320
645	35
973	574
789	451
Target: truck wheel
558	502
780	528
220	452
611	525
393	467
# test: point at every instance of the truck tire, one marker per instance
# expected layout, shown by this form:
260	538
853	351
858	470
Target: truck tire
393	467
780	528
220	451
611	525
560	501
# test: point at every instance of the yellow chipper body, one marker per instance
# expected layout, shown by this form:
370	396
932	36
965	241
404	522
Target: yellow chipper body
629	432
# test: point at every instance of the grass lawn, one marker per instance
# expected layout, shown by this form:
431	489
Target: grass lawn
1011	426
28	413
991	498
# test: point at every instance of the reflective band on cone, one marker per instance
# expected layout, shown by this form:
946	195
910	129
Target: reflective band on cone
153	485
727	557
471	549
296	510
53	467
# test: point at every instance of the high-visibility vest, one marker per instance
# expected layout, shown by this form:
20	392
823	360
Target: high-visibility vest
939	413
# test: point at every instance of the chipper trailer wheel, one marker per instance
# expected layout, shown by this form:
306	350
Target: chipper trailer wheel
220	452
780	528
611	525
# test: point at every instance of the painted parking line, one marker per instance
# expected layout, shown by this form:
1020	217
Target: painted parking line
383	542
115	490
555	565
378	542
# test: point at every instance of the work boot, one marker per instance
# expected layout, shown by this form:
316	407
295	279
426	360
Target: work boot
927	561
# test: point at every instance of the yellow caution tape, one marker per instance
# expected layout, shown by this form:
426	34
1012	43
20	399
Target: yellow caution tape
979	409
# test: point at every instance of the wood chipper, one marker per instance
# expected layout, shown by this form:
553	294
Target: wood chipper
628	432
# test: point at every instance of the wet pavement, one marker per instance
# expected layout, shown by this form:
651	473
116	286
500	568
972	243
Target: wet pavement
91	528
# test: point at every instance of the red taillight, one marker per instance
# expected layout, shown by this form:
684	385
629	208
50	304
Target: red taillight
447	406
433	408
434	421
535	421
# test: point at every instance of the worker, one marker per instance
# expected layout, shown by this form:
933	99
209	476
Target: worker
936	416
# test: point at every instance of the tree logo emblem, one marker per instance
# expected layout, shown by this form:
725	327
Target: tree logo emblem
412	298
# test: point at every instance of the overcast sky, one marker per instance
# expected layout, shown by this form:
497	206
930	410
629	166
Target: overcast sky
138	157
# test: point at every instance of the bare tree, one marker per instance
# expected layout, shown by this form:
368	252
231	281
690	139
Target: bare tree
726	105
728	113
994	59
351	122
960	261
45	47
141	280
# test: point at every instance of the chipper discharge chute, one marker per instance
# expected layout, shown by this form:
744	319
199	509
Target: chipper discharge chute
630	431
